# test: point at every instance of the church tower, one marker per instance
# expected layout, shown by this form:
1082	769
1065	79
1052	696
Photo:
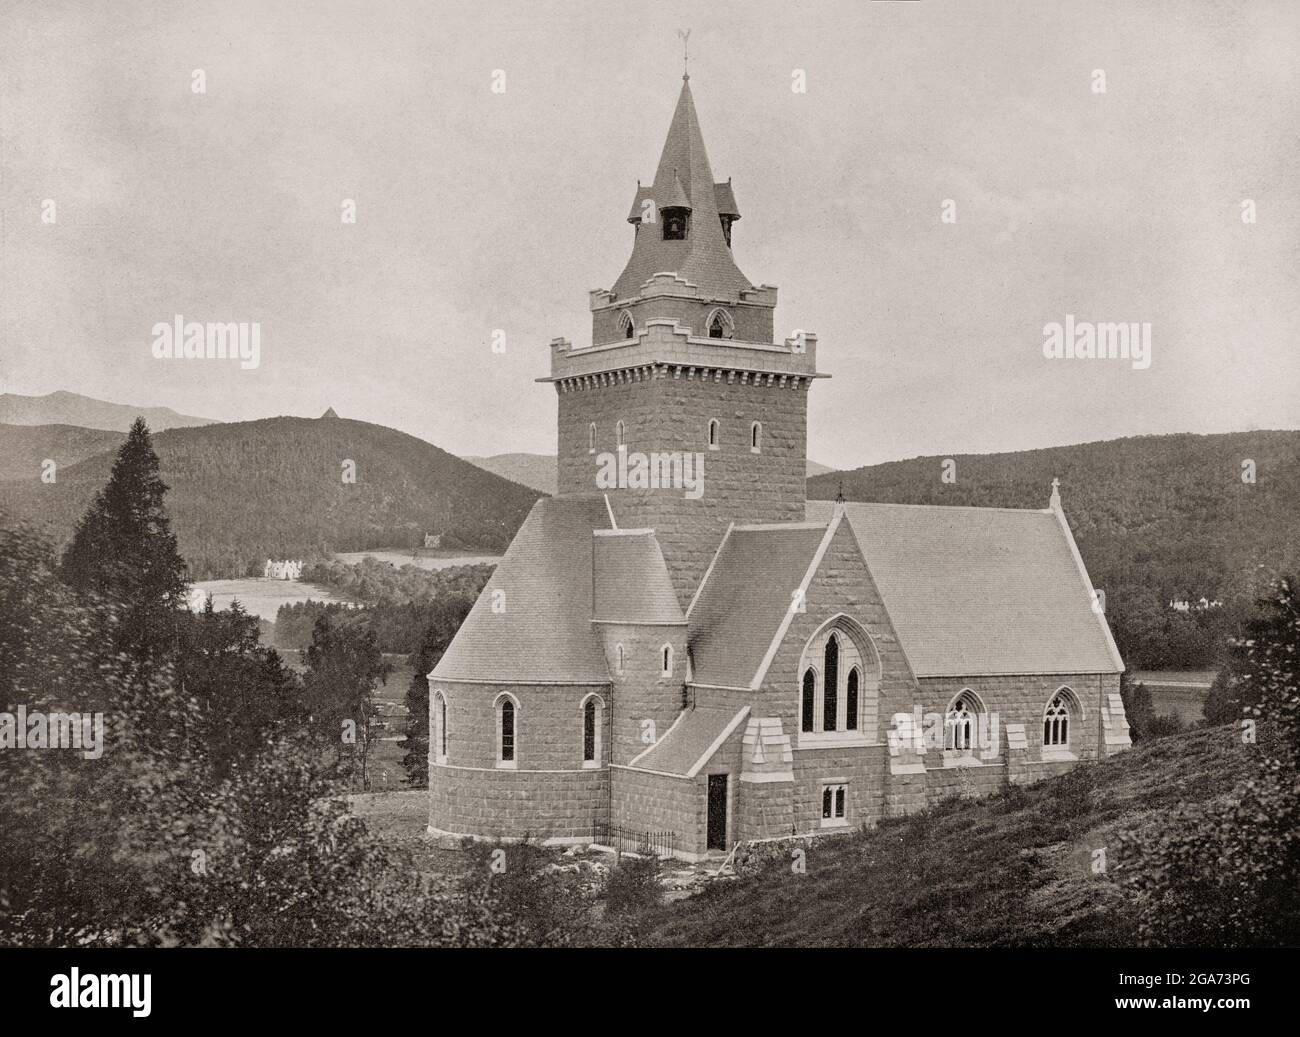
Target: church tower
682	410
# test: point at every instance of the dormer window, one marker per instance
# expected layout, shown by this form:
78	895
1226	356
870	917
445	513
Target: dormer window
676	223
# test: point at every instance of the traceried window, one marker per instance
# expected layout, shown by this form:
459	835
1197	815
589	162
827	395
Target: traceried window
1056	722
833	804
959	723
839	684
809	706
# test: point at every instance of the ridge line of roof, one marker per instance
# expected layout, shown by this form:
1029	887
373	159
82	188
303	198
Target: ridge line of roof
946	507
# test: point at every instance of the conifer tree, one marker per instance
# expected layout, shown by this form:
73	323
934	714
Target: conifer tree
125	552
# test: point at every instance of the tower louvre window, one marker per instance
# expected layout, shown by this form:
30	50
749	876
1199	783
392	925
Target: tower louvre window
626	325
676	223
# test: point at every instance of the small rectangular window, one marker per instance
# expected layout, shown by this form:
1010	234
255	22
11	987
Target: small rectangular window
834	802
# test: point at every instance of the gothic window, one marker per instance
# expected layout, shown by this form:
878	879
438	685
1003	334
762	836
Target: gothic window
715	432
1056	721
507	730
591	438
717	327
620	658
626	324
666	654
756	437
839	684
439	728
959	723
592	711
830	695
720	324
809	707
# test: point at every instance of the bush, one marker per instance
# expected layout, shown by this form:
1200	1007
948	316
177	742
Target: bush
633	885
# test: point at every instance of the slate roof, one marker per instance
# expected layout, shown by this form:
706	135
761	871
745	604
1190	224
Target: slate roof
684	175
544	633
686	742
974	591
744	598
632	581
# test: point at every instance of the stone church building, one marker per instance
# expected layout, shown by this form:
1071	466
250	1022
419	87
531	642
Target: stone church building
679	642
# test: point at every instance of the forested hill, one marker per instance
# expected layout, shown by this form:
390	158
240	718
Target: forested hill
1155	517
246	491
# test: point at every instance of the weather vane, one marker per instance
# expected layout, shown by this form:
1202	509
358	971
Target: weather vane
685	34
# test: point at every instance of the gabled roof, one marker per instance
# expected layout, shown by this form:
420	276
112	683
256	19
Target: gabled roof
632	581
683	177
978	591
543	632
744	598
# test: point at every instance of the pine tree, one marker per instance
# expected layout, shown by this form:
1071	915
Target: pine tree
125	553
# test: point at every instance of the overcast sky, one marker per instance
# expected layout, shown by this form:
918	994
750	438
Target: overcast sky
479	210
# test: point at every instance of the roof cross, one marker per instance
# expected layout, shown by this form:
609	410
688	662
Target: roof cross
685	35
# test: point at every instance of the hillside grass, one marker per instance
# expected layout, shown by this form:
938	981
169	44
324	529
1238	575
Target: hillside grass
1008	870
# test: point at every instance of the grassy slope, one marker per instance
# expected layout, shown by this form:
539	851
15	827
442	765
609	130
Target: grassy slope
1008	870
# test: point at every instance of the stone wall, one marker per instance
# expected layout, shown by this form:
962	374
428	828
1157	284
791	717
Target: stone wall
549	793
664	412
641	692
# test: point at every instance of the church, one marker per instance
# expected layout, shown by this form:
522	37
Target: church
680	644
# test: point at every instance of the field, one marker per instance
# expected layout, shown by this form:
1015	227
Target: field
262	597
422	559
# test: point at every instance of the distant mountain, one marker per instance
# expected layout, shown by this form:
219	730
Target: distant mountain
535	470
538	470
242	492
24	449
1155	517
69	408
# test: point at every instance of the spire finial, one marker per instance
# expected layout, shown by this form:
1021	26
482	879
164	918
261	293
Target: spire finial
839	495
685	35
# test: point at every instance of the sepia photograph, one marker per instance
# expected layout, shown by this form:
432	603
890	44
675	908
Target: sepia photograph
818	477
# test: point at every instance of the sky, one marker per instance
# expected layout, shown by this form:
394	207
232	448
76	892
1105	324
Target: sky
480	211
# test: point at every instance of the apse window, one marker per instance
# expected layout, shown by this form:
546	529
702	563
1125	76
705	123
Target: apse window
833	805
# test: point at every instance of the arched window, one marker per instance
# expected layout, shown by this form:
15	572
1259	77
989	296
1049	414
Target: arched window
831	694
756	437
809	707
626	324
717	327
507	729
592	716
959	723
839	684
715	431
618	434
438	736
666	654
1056	721
620	658
591	438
